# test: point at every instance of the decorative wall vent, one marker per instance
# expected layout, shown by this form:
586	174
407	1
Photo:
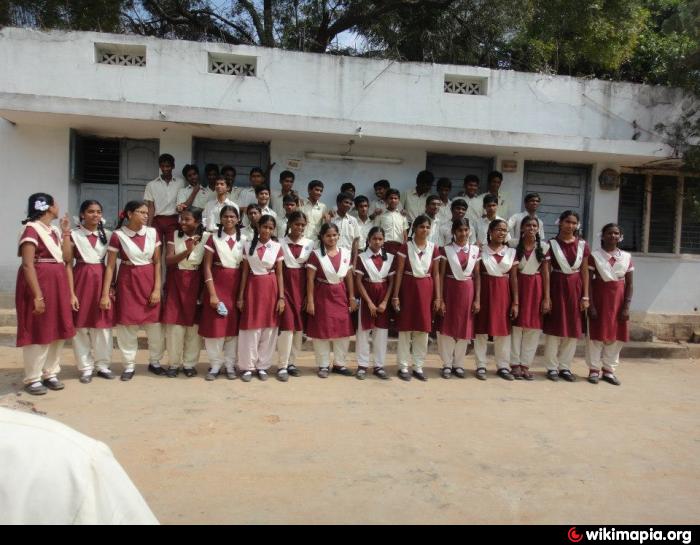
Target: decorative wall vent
232	65
461	85
120	54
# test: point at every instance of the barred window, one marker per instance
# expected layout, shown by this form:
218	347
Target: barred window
631	211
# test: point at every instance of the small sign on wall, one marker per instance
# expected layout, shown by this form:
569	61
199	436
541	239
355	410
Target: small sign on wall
293	164
509	165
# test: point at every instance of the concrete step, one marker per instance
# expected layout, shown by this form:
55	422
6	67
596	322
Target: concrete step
7	299
636	350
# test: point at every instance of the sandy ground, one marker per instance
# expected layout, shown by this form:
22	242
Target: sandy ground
344	451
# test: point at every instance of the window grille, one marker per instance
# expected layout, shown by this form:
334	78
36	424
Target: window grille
460	85
232	65
120	54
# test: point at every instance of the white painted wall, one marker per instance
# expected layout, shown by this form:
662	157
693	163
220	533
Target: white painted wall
666	285
34	159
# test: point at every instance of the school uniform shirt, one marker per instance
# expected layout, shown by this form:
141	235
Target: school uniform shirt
502	204
281	230
413	203
394	224
314	215
277	203
51	474
348	229
434	235
514	227
475	207
445	234
200	201
365	227
246	197
379	204
267	211
445	211
212	213
481	229
163	195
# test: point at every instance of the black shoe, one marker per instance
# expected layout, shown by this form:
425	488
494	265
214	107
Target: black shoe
381	373
189	372
172	372
127	375
481	373
282	375
567	375
446	372
293	371
420	375
361	373
86	378
612	379
53	383
155	369
262	374
553	376
247	376
322	372
593	377
106	374
459	372
404	374
342	370
505	374
35	388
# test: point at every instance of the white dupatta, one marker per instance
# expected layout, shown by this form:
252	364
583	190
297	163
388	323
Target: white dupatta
608	272
333	276
89	254
292	262
493	267
230	258
530	265
561	258
420	267
136	255
261	266
459	273
194	260
45	236
376	276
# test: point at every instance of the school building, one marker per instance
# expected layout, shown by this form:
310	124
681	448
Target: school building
85	115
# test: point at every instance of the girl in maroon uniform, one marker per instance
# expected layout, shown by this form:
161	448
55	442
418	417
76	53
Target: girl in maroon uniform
42	296
609	313
569	292
87	244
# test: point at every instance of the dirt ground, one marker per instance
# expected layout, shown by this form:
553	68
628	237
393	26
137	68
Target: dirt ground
344	451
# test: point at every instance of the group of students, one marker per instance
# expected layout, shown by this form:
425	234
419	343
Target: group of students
250	288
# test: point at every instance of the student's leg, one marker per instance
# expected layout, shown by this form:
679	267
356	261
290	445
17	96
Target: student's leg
247	349
296	346
266	350
193	346
81	349
611	356
528	346
340	351
460	353
501	346
419	349
127	341
595	352
230	350
214	348
404	349
446	348
480	344
362	346
380	338
34	356
568	351
102	347
284	348
516	341
175	340
322	351
551	349
156	343
52	364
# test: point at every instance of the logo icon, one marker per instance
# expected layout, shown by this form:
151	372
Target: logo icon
573	536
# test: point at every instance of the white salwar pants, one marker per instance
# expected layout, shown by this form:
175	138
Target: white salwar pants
559	352
42	361
128	343
412	344
501	349
607	353
453	351
222	351
256	347
523	345
184	345
288	345
322	351
92	348
380	338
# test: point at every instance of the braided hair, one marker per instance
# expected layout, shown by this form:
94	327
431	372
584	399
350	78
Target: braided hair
520	249
220	225
294	216
420	220
100	226
196	213
373	231
130	207
324	229
43	200
492	226
256	231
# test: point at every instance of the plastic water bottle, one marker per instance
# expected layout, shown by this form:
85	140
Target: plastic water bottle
221	309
